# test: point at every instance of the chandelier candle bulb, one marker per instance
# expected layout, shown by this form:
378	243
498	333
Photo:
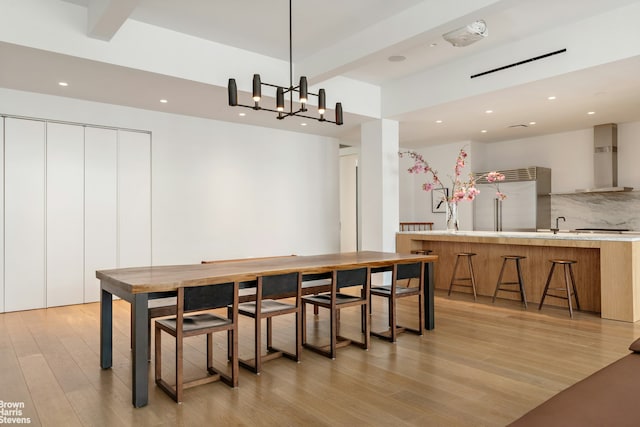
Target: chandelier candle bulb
322	102
303	90
280	100
257	88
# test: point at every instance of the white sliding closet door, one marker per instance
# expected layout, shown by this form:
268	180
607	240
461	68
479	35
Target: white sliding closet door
24	214
134	199
65	214
1	215
101	196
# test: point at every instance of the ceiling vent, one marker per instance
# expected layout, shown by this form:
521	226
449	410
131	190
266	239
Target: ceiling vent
466	35
515	64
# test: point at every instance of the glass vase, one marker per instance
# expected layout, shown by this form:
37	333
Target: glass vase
452	216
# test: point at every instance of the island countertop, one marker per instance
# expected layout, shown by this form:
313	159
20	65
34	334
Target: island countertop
608	267
625	236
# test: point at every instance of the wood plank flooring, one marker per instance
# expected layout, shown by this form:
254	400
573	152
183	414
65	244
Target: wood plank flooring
484	365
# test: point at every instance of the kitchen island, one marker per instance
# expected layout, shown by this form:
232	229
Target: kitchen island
607	273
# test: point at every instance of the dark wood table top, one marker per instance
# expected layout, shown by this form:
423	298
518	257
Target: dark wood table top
137	280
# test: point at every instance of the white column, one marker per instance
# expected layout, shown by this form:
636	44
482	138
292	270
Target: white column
379	185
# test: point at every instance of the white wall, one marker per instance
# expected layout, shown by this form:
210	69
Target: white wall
568	154
570	157
223	191
220	190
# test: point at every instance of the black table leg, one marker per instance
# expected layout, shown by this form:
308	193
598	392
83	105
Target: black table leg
429	285
140	374
106	331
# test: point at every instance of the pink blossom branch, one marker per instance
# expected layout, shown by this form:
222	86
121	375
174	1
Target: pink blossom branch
462	190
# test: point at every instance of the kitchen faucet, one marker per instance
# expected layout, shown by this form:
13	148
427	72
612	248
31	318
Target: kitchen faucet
555	230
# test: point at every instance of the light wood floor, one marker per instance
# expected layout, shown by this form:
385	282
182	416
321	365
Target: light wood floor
484	364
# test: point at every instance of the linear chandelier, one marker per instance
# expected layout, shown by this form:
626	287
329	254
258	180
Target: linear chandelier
301	90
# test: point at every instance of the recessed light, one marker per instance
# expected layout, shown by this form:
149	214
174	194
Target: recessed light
532	123
164	101
489	111
303	124
551	98
483	131
396	58
591	113
438	121
242	114
433	45
65	84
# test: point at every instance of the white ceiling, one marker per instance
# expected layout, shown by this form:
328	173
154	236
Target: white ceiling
612	91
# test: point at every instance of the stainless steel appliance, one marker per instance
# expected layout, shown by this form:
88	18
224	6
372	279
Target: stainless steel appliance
605	160
526	208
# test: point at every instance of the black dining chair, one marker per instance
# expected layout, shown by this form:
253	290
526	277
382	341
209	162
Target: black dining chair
264	307
394	291
358	280
163	304
192	299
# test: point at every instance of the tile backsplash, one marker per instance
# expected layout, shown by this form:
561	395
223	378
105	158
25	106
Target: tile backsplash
597	210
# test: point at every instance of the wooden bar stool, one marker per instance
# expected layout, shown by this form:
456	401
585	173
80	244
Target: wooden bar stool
568	277
499	285
468	282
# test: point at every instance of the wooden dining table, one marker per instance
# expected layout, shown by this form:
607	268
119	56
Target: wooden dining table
139	284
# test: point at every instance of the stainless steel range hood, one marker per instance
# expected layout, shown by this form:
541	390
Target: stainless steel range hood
605	160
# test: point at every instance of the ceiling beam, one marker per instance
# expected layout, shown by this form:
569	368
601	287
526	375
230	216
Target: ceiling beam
105	17
410	27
